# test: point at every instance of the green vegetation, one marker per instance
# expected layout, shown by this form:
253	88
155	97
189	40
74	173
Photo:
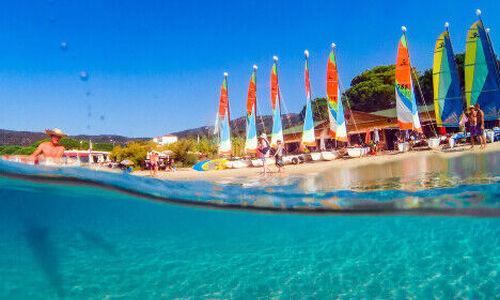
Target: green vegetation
134	151
319	109
68	143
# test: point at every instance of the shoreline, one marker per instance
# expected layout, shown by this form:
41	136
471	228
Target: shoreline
311	168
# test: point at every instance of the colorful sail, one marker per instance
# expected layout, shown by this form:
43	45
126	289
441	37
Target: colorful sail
277	134
406	104
481	72
335	108
448	104
308	138
223	121
251	141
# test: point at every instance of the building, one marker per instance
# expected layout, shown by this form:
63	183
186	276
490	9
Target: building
165	139
358	124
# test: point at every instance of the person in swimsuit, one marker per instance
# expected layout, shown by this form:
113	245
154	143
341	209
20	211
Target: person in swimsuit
153	164
263	151
476	119
51	150
480	125
279	156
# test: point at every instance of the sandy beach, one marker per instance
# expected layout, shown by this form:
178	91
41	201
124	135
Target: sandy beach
317	167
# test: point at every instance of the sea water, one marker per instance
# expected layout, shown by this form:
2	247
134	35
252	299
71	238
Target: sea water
417	234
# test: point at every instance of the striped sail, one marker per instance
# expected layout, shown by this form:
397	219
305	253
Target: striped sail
251	141
448	104
277	134
308	138
481	72
335	108
223	121
406	105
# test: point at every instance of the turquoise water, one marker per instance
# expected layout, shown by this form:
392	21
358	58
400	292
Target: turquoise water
84	242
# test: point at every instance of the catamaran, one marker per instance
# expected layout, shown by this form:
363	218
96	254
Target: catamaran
308	136
335	107
448	101
222	127
406	105
482	83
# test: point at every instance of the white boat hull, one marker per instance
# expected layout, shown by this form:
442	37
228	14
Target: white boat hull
404	147
434	143
329	155
238	164
258	162
315	156
357	152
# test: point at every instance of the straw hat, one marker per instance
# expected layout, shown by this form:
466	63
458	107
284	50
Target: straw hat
55	132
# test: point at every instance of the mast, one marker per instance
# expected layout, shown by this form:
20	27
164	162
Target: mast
251	138
406	105
308	138
277	133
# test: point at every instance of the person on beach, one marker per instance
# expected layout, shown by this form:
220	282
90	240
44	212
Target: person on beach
477	125
263	150
153	164
278	155
51	149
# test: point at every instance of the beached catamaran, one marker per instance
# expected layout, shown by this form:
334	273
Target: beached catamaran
251	141
448	101
335	108
277	133
406	105
308	137
481	71
222	123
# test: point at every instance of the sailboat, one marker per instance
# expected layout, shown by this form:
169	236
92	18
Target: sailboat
251	138
277	133
308	136
448	102
406	105
251	134
481	71
222	124
335	107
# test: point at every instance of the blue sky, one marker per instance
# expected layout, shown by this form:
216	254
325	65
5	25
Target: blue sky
157	67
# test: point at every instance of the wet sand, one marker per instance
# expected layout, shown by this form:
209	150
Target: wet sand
311	168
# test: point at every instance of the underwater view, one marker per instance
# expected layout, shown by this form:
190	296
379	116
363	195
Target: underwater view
69	234
249	149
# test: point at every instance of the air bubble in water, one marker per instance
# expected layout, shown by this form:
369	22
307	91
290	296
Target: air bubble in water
64	46
84	76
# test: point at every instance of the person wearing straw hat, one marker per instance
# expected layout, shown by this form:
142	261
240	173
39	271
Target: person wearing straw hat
52	148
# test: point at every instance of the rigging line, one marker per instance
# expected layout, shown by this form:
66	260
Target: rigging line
287	115
424	104
419	89
350	110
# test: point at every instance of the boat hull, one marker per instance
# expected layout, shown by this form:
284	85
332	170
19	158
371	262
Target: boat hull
358	152
329	155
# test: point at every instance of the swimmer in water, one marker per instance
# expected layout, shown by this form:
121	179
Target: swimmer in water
51	149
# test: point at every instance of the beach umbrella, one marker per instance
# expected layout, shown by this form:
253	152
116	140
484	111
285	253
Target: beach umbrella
127	162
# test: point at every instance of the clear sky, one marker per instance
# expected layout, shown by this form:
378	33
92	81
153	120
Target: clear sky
155	67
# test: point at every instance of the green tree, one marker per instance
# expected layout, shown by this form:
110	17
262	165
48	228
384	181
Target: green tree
319	109
372	90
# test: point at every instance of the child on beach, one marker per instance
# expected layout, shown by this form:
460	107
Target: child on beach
278	155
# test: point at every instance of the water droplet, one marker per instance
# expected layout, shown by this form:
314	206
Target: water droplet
84	76
64	46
